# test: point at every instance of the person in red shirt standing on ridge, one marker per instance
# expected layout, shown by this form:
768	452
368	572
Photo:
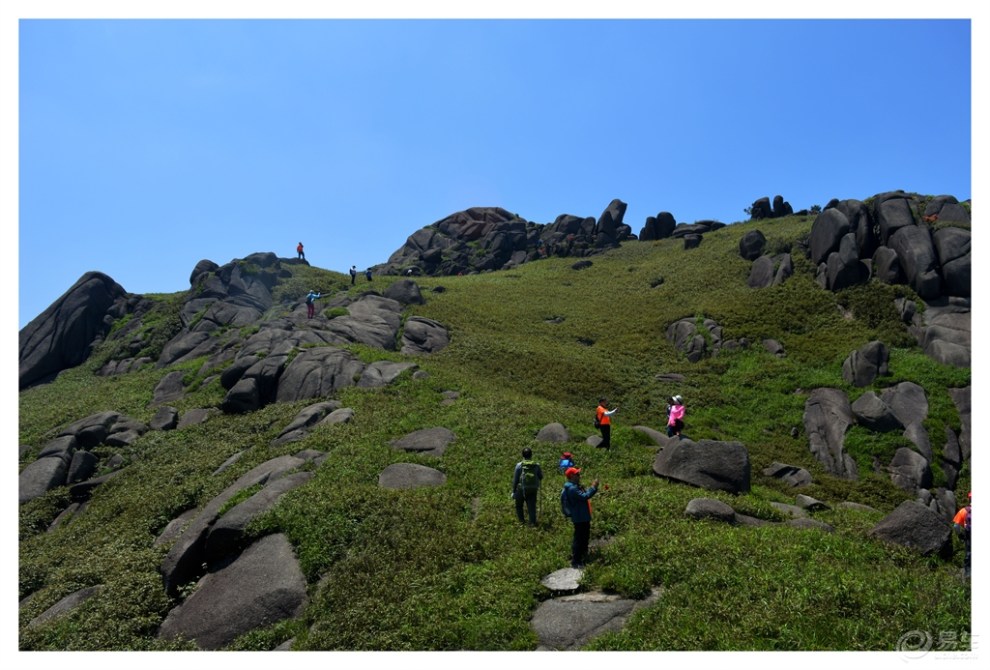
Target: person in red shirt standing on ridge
299	251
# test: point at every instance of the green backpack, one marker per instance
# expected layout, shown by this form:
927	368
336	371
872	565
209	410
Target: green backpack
529	479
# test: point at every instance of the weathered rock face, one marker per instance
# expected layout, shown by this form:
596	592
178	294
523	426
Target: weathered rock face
866	364
827	417
761	209
263	586
902	238
63	335
491	238
658	227
717	466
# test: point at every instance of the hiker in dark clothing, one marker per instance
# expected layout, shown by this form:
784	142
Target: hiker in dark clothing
367	273
575	501
353	274
526	485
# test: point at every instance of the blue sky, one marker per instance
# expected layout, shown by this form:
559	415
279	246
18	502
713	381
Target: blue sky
148	145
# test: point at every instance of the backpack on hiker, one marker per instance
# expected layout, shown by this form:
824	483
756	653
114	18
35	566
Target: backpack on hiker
598	419
565	508
529	478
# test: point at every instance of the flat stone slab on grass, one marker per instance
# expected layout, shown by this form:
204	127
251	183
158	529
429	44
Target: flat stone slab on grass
565	580
65	605
570	622
410	476
428	441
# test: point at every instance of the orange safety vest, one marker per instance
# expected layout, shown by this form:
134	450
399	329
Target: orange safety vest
603	418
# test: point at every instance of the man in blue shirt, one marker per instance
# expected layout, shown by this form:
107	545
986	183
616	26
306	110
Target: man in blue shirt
576	501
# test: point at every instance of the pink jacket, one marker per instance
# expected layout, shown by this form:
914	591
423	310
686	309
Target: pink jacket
676	412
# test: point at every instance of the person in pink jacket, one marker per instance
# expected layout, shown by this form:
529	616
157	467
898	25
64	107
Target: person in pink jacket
675	416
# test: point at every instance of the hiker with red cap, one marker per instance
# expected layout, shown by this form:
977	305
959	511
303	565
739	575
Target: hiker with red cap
963	523
566	461
575	503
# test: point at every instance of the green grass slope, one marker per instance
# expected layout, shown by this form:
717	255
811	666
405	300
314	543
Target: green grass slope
450	567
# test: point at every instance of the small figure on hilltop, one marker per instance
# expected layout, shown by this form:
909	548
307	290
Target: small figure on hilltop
603	421
526	480
353	274
566	461
311	299
675	416
963	525
575	503
299	251
367	273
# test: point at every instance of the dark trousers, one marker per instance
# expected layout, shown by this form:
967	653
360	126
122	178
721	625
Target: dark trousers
310	309
606	429
579	544
530	498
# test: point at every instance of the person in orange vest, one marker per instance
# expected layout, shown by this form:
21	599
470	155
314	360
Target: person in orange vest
299	251
603	422
963	524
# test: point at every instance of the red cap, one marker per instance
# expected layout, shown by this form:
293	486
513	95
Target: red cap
566	454
572	471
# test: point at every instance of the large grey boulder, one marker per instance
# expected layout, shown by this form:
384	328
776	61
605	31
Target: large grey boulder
423	336
892	213
887	267
830	226
316	373
44	474
761	274
952	246
410	476
827	417
910	470
92	430
305	420
843	268
907	401
63	335
262	587
873	413
428	441
752	244
169	388
658	227
915	526
866	364
918	260
716	466
962	399
406	292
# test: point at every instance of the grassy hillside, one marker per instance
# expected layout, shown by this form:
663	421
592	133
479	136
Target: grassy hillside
450	567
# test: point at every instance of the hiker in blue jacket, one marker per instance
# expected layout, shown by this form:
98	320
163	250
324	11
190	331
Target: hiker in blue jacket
575	501
526	485
311	299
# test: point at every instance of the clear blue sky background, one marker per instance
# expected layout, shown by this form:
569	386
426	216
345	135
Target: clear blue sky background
148	145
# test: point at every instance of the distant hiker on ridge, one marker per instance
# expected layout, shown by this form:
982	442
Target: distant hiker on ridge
526	485
299	251
311	299
603	422
367	273
353	274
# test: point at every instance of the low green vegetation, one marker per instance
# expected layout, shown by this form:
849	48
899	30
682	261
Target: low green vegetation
450	568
